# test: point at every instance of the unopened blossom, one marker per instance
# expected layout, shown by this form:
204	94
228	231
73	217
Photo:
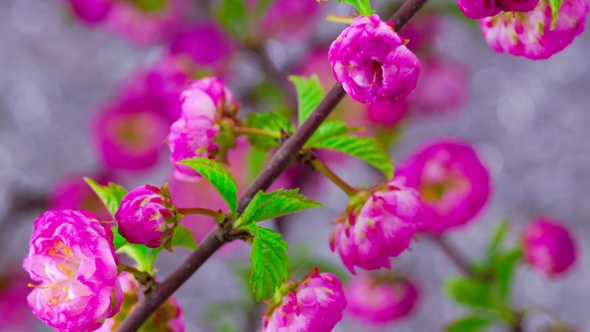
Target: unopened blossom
372	63
383	228
147	216
443	87
387	114
218	92
453	182
549	246
375	300
90	11
531	35
168	317
316	304
128	136
195	133
72	259
479	8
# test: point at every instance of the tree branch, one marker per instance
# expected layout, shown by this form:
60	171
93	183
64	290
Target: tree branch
281	160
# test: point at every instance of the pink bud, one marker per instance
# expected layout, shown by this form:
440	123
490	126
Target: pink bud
454	184
479	9
372	62
377	301
383	228
387	114
72	257
218	92
194	134
315	305
530	34
549	246
146	216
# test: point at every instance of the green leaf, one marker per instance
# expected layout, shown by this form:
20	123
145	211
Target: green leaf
118	240
364	148
256	161
470	292
110	195
271	121
504	265
309	95
329	129
219	177
232	16
362	6
555	6
469	324
140	254
498	236
278	203
270	263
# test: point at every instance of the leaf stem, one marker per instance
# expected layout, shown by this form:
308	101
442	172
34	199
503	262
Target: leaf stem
256	131
324	169
142	276
215	214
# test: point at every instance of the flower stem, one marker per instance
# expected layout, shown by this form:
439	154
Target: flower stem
218	216
323	168
256	131
454	255
142	276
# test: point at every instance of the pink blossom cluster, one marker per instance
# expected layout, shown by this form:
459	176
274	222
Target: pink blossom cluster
72	259
382	228
315	304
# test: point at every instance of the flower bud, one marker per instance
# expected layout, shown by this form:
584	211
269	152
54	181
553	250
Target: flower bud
377	300
530	34
372	63
383	228
194	134
316	304
454	184
219	94
72	257
168	317
147	216
387	114
479	9
548	246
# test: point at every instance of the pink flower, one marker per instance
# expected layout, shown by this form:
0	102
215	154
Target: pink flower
195	133
480	9
72	257
549	246
128	137
204	43
383	228
290	19
387	114
72	192
219	93
316	304
147	22
147	216
90	11
372	63
169	317
453	183
530	34
377	301
16	315
443	87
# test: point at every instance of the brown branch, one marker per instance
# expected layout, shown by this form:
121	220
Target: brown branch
281	160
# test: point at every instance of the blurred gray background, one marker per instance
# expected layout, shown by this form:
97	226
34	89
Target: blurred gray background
529	119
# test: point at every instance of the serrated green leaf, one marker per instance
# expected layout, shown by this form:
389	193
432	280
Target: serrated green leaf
110	195
364	148
232	16
270	263
504	266
470	292
219	177
271	121
140	254
309	94
118	240
555	6
329	129
278	203
469	324
362	6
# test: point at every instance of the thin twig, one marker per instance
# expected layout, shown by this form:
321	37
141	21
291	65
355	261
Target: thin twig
454	255
281	160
